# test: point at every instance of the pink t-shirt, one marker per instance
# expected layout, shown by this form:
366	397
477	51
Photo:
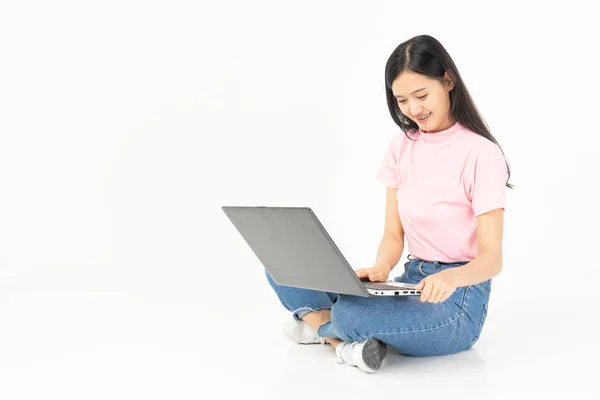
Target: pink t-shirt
445	180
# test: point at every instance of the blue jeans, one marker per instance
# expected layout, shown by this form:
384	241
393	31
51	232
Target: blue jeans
412	327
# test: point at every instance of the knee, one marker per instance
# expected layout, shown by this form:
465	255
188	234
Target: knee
430	344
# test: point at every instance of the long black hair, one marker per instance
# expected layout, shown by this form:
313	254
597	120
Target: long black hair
425	55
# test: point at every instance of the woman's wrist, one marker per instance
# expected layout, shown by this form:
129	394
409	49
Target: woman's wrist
389	253
480	269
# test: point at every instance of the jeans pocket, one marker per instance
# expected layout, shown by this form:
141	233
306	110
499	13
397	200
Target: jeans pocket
459	297
425	271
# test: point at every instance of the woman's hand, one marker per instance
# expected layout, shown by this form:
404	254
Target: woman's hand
377	273
436	288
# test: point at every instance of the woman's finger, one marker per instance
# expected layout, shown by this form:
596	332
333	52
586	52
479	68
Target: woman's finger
438	297
361	273
446	296
425	291
434	291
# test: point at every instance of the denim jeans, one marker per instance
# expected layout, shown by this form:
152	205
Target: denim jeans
412	327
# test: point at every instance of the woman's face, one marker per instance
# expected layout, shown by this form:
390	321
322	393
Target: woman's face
418	95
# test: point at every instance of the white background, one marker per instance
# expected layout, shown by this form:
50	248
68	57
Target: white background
126	125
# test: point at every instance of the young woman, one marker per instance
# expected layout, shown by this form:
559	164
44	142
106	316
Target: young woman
446	178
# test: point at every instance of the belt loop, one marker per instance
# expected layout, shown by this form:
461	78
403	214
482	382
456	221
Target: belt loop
436	264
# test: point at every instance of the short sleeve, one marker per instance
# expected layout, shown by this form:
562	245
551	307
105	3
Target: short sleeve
387	172
487	186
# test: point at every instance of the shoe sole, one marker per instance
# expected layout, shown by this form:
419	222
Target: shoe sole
373	353
311	342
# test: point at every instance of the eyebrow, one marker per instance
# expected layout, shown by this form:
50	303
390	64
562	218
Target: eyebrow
418	90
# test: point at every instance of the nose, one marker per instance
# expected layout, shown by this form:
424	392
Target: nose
416	109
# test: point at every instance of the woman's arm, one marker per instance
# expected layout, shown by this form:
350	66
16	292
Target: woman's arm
392	244
488	262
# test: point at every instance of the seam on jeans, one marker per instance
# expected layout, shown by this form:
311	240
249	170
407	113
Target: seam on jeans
474	322
481	323
466	298
482	287
418	330
483	317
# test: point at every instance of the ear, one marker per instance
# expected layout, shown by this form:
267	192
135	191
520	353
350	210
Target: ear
448	81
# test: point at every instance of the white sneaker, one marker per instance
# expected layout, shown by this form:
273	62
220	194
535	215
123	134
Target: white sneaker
301	332
366	354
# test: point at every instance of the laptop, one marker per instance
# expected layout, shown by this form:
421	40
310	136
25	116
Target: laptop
296	250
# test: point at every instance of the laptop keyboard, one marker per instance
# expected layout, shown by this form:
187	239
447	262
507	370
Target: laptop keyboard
382	286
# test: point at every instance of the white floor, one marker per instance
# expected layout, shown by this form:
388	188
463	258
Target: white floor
146	342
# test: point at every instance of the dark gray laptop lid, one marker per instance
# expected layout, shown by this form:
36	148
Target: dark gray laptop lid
295	248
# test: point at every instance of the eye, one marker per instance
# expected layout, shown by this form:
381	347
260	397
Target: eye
404	101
